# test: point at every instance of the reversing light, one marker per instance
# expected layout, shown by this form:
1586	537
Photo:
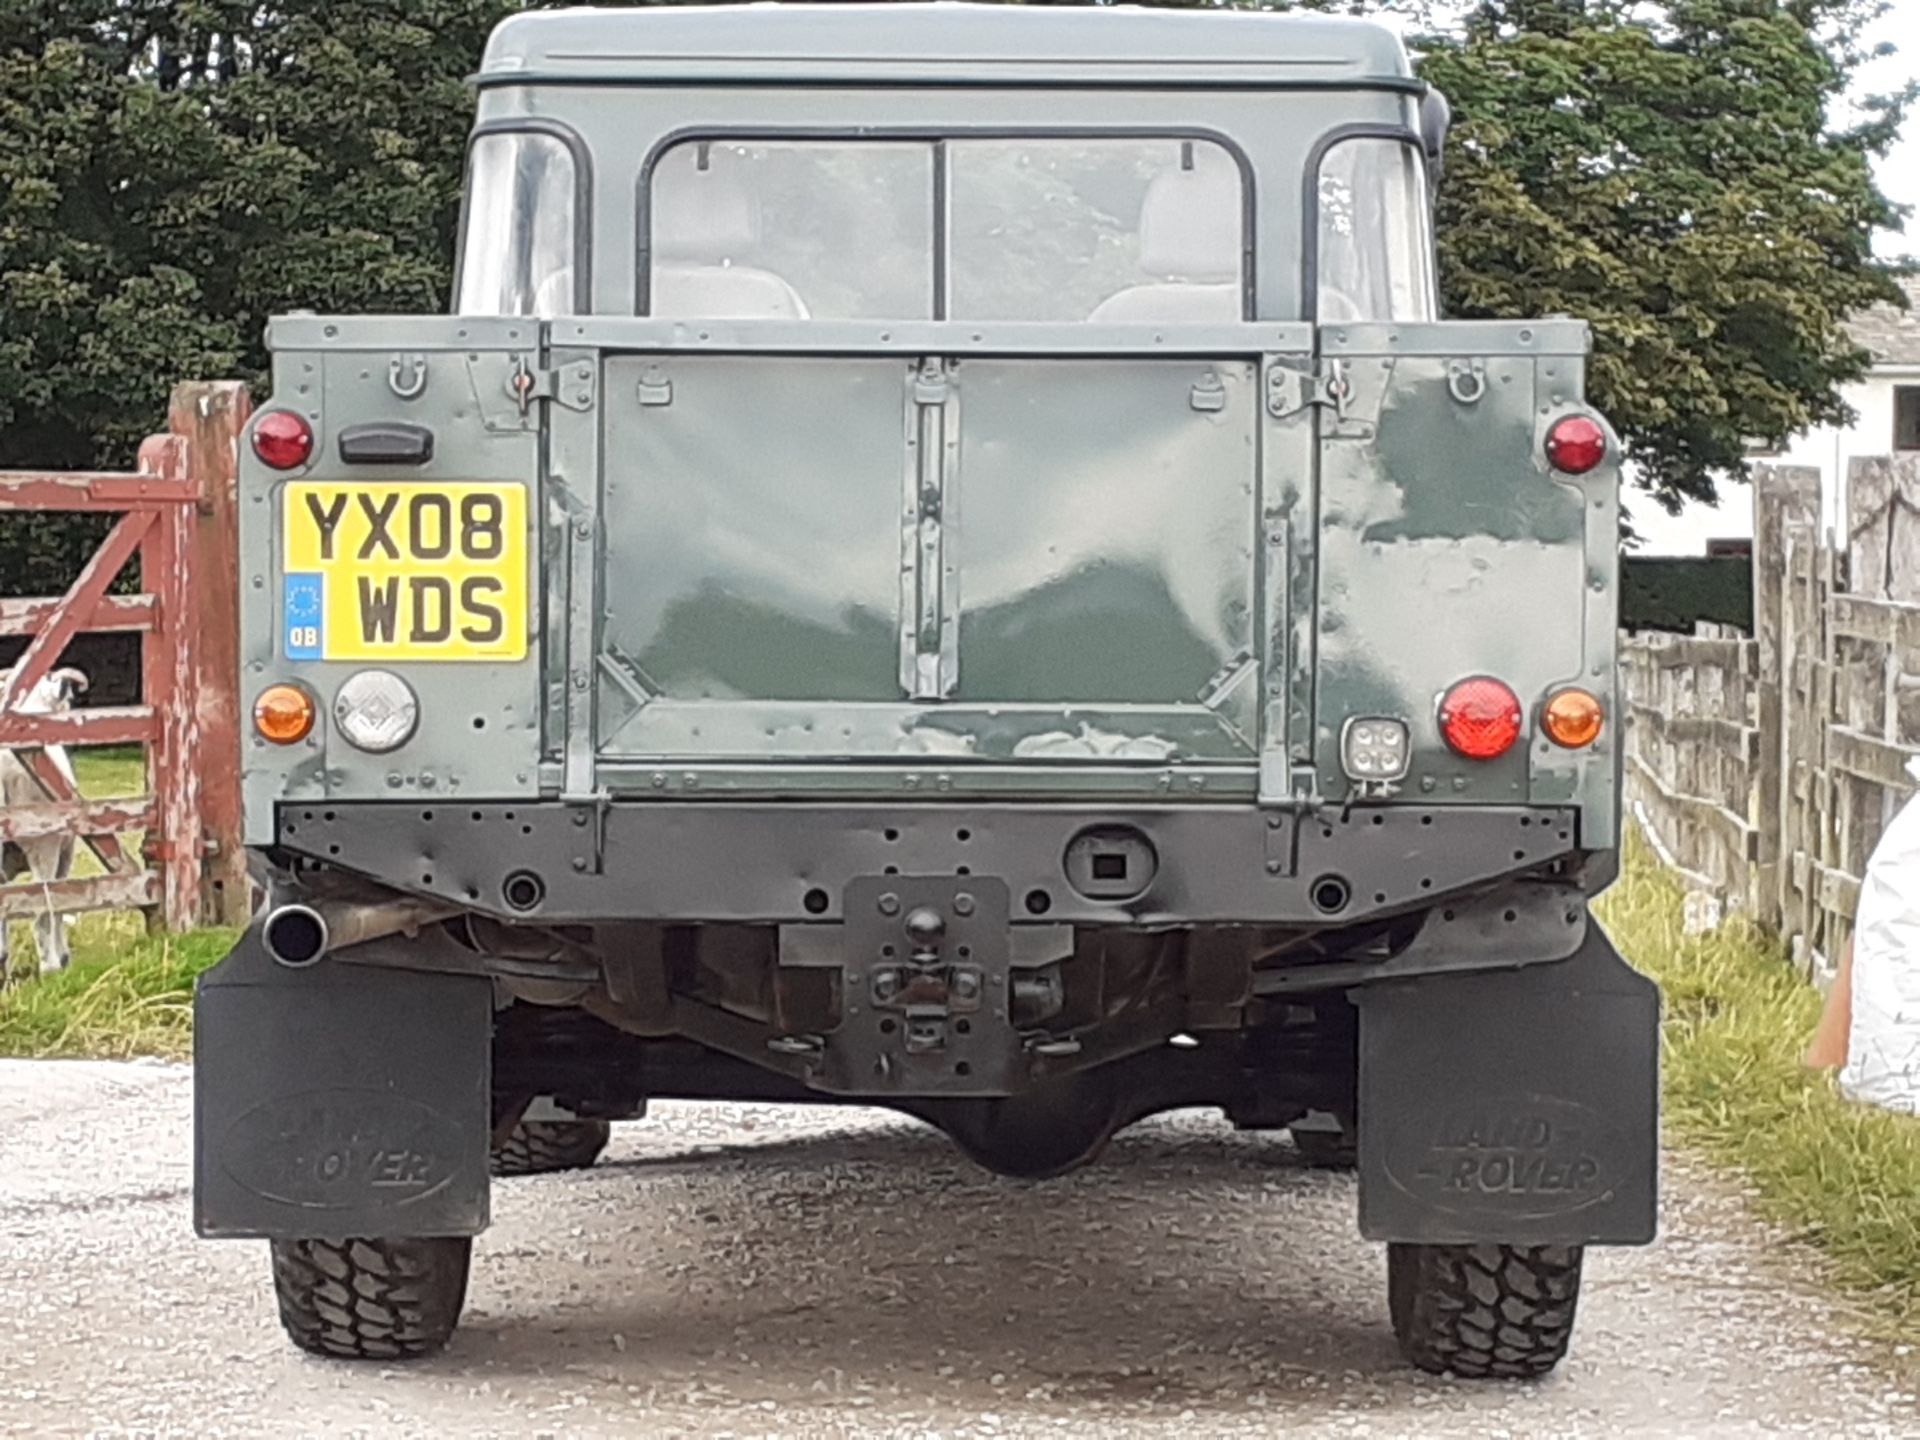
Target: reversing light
282	440
376	711
1572	718
283	714
1374	747
1576	444
1480	718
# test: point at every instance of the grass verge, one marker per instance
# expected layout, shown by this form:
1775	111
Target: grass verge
136	1001
1841	1176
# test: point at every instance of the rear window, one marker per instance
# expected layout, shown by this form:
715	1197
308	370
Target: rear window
520	243
1374	250
1035	228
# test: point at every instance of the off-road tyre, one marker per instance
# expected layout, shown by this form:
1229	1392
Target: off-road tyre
1327	1149
371	1299
540	1147
1484	1311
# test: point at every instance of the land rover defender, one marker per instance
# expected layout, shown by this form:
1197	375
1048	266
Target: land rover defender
943	558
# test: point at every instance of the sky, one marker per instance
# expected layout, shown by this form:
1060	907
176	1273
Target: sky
1899	176
1900	171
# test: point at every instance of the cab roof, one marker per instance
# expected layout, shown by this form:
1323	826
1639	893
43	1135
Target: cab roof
943	44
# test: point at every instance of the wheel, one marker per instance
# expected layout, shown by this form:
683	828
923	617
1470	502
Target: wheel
1327	1149
539	1147
371	1299
1483	1311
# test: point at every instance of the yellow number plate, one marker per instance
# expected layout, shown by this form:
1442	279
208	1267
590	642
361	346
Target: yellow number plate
404	572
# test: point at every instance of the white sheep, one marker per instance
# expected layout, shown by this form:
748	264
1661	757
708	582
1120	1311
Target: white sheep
44	858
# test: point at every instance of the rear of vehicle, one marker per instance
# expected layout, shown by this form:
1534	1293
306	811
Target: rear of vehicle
961	583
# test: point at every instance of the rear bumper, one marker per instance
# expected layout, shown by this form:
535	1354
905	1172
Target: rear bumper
791	864
1512	1106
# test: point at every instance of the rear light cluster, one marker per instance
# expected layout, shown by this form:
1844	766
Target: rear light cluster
1481	718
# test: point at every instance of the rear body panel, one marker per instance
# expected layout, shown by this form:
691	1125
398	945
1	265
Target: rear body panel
1120	572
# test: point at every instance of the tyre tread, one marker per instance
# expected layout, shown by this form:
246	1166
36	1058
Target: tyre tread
1484	1311
542	1147
371	1299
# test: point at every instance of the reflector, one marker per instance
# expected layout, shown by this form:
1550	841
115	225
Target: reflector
1576	444
282	440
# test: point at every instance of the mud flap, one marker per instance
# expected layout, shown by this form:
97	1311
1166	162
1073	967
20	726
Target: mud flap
339	1100
1519	1106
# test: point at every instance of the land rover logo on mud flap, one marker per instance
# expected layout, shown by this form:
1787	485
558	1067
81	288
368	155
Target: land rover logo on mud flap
341	1149
1523	1156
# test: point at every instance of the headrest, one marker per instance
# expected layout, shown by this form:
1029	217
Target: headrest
706	216
1190	221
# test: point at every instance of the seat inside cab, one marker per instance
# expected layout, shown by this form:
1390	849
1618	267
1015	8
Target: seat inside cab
1190	237
703	219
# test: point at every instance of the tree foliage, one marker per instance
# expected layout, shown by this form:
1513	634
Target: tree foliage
1678	181
172	172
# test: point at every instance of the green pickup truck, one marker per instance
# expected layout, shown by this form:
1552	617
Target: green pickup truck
944	558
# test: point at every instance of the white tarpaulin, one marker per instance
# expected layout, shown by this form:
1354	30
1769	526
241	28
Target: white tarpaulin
1883	1052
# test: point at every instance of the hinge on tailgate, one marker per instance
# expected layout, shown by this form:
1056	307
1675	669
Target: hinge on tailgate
1290	390
589	812
570	386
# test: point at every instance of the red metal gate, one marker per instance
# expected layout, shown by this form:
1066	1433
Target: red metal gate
178	517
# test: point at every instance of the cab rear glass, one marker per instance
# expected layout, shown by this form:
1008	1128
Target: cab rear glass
1102	229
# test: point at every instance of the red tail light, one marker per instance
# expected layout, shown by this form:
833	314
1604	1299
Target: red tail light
1576	444
282	440
1480	718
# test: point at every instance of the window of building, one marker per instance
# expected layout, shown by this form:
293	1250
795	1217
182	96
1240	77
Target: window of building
1906	417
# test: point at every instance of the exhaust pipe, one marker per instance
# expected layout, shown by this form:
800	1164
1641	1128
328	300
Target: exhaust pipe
298	935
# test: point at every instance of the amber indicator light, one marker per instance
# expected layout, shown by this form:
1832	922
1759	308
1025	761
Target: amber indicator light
1573	718
283	714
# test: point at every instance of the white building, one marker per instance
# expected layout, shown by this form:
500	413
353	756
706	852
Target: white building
1886	406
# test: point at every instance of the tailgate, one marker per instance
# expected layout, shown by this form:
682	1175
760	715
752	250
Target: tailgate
1030	563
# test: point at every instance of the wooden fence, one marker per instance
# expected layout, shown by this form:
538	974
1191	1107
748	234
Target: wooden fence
178	517
1765	768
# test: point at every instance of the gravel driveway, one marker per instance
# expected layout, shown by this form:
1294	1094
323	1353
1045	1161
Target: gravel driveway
747	1270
